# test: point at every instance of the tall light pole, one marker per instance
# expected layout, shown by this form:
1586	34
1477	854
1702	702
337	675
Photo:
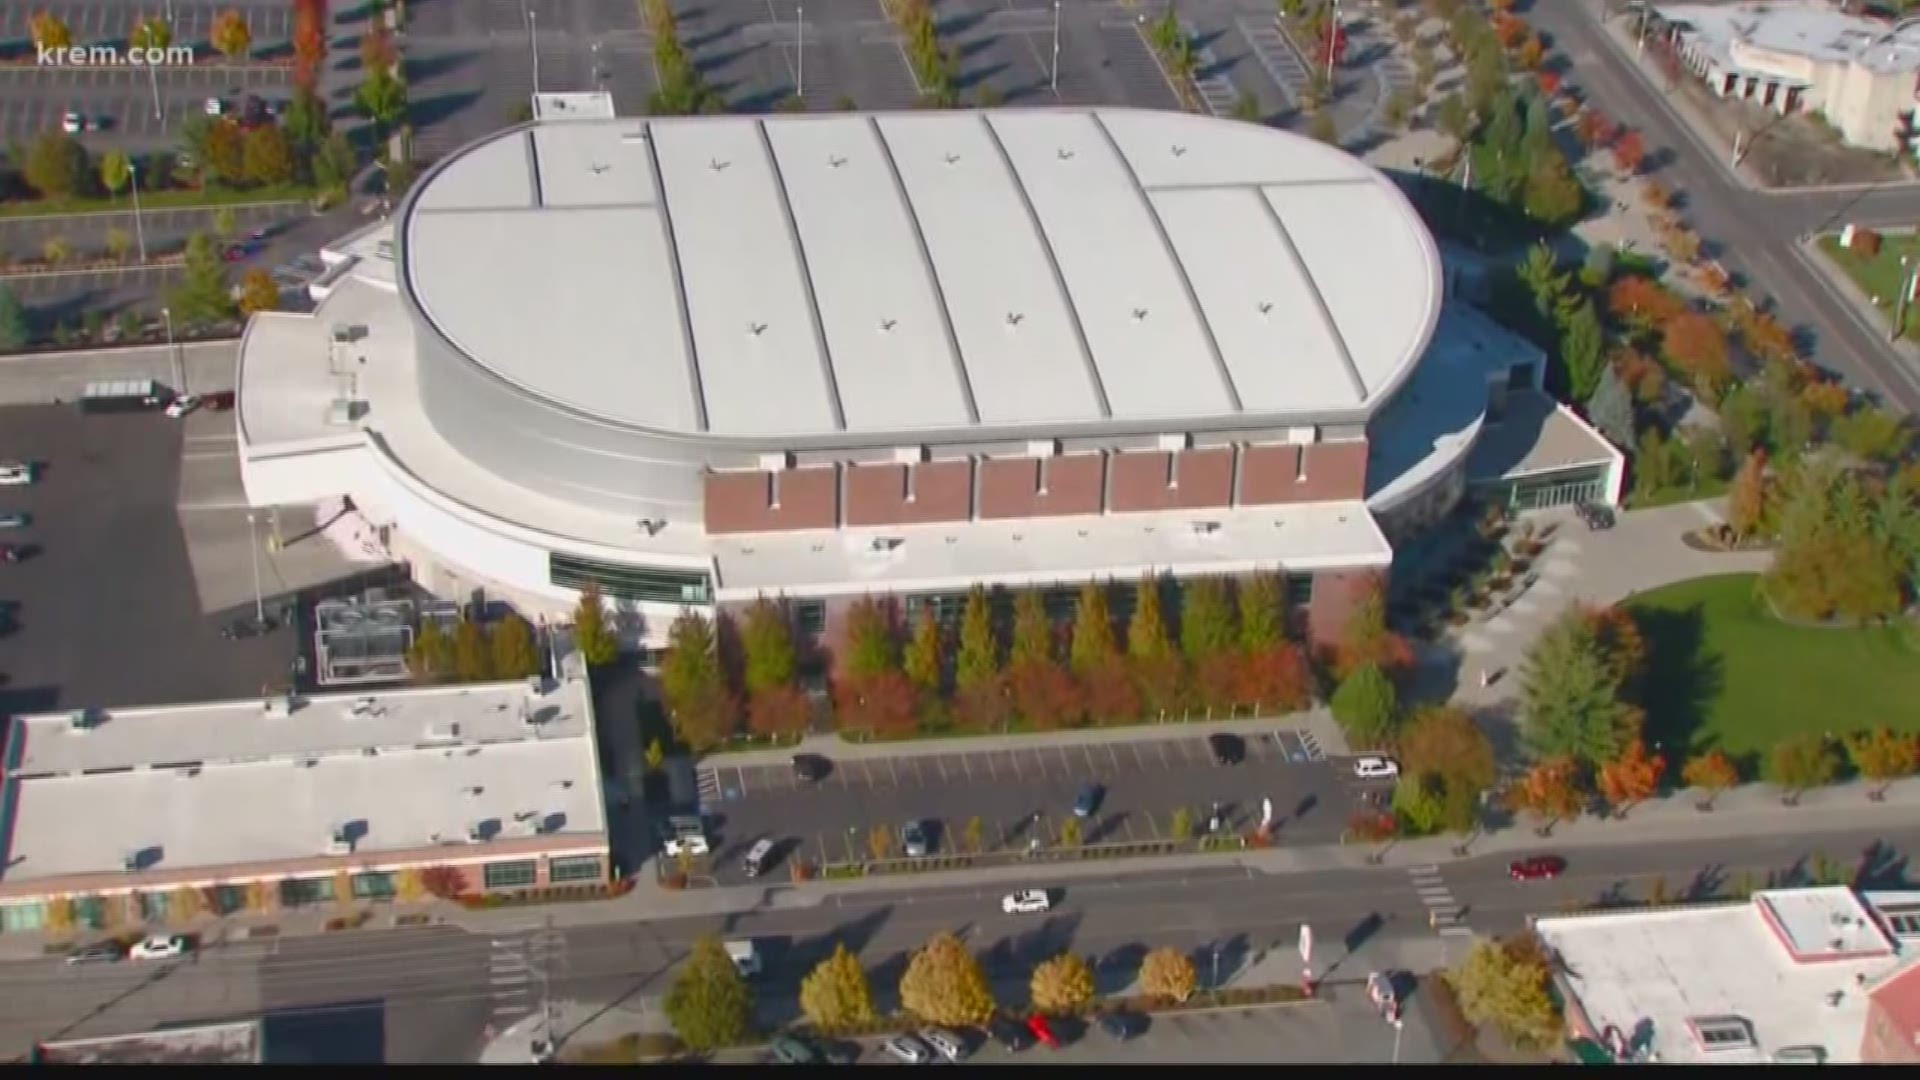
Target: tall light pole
153	83
800	49
1399	1024
173	352
1216	967
533	45
1333	32
1053	74
139	231
253	548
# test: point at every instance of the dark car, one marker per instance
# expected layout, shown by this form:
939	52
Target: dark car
1009	1035
1226	749
103	952
793	1050
1088	800
1119	1026
1537	868
218	400
811	768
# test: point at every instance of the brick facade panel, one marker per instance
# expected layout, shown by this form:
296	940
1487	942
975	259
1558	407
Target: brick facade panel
740	502
1010	487
1335	595
1201	479
878	494
1333	471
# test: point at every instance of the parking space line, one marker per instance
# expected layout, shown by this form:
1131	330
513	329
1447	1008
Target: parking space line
741	776
893	770
1092	767
966	764
1114	756
1162	747
1066	768
1013	756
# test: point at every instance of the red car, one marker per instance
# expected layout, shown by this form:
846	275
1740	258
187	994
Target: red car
1043	1031
1537	868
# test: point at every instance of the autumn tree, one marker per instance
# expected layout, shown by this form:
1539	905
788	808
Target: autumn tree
1366	639
471	660
1632	777
1206	618
1147	630
869	647
1109	692
1366	706
258	292
377	50
1550	791
922	661
430	657
591	635
1694	343
1168	975
835	995
1799	764
266	157
1442	742
778	712
943	984
1061	986
231	35
693	685
512	652
1843	549
1571	693
766	644
57	166
1594	130
1045	694
978	661
1032	631
309	42
1092	646
883	704
151	33
1262	618
49	31
709	1004
1509	985
1747	499
116	170
1882	756
1629	152
1712	772
1642	303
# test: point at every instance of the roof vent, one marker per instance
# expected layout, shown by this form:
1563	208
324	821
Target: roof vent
1266	306
717	165
132	861
1139	314
338	843
1179	151
1063	154
756	328
278	706
951	158
1206	528
83	720
887	325
836	161
1014	318
652	526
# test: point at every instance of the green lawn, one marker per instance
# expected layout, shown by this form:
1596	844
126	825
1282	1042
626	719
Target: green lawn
1724	672
1882	275
169	199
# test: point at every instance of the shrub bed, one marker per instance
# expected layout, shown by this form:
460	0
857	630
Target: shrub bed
552	894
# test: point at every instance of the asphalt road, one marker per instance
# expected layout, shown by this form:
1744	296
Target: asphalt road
1752	233
105	607
1144	783
428	990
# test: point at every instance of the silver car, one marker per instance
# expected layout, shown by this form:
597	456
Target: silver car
908	1049
944	1042
913	839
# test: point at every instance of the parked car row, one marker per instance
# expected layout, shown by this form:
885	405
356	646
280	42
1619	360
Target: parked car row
156	947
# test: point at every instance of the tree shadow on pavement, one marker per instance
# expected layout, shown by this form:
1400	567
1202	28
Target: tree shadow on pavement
1682	678
1118	968
1881	866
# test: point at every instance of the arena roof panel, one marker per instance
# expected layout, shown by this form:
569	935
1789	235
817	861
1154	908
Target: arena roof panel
1075	264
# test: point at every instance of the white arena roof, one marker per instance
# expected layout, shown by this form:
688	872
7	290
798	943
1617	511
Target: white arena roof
839	275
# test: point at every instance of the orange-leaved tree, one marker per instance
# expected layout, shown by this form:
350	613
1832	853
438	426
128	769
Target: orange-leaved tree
1631	778
1883	756
1550	791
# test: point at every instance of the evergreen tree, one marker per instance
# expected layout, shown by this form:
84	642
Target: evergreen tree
1262	620
1611	409
512	651
710	1004
1366	706
1583	348
1206	618
1570	694
979	660
1093	644
1032	631
1147	631
1536	145
202	296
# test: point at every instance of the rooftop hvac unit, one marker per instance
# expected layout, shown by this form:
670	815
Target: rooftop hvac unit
278	706
130	862
536	685
475	834
83	720
338	843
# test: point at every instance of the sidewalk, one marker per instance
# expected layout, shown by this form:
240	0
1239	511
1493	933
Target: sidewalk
1317	720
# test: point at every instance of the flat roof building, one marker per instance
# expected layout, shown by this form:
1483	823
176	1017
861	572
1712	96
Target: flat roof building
291	799
239	1043
1785	976
1857	71
695	361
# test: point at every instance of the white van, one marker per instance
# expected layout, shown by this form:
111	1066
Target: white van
758	855
745	957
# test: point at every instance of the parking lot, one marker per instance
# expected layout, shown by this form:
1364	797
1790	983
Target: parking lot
105	609
1145	782
107	22
118	102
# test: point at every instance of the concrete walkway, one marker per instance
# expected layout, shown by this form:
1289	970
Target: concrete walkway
1642	551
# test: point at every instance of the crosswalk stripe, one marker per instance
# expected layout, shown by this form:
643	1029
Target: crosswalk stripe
1456	931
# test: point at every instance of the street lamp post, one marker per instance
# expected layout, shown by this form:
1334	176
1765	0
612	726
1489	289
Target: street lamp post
1398	1025
173	352
800	50
1053	74
1216	967
139	231
1333	33
533	45
253	548
153	84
